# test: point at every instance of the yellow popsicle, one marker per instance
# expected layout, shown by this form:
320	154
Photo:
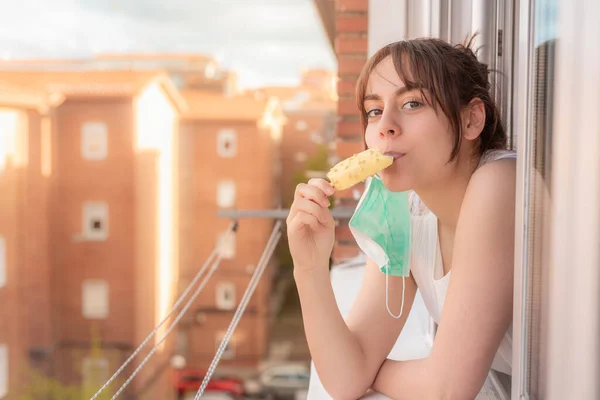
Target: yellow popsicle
357	168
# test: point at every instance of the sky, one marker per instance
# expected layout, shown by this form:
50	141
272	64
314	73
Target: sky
267	42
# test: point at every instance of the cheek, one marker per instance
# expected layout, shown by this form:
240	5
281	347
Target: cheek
371	136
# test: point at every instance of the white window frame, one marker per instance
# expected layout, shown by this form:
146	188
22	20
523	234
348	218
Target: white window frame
94	133
222	290
387	23
522	114
574	307
223	136
95	299
95	210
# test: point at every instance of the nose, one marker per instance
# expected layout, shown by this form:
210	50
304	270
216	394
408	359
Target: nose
388	126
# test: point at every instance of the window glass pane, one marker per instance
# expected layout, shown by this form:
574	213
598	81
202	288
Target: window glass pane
94	141
226	194
227	143
95	302
544	42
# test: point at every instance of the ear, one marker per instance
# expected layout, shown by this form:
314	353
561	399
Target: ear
473	119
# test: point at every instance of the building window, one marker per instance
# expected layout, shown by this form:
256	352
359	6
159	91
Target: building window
182	342
201	317
226	194
301	156
225	295
95	221
2	262
227	143
229	352
95	299
316	137
210	70
3	371
301	125
94	141
227	246
94	372
178	80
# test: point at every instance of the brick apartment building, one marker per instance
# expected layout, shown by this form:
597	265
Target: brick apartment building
90	221
23	263
229	159
108	210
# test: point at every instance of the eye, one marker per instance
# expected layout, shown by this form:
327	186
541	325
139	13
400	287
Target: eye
412	104
373	113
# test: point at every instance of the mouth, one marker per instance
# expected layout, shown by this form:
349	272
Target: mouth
394	154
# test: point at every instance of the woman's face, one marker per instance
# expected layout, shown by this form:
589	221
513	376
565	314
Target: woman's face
402	124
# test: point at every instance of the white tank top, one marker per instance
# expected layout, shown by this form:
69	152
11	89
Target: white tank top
427	268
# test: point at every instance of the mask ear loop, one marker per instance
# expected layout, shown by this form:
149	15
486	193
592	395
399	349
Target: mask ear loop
387	304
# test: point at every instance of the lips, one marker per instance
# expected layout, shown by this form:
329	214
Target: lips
394	154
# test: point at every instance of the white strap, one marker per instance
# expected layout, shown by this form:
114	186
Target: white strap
387	304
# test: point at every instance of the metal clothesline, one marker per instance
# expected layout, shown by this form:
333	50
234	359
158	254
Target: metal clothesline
234	215
215	253
338	213
215	258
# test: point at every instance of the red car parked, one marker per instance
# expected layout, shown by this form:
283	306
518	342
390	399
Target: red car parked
190	379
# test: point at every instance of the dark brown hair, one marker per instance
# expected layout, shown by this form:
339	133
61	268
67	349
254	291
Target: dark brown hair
449	77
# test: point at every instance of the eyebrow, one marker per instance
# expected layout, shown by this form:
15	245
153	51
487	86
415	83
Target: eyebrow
398	93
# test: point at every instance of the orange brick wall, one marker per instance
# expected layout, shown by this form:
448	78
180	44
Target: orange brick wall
351	47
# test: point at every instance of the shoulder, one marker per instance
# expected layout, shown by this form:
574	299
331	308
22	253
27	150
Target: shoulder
488	207
494	180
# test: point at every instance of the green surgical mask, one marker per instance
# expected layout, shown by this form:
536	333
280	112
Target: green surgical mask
381	227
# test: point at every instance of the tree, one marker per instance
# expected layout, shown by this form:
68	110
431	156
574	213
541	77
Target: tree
319	162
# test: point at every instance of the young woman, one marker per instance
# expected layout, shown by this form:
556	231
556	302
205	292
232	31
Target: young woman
426	103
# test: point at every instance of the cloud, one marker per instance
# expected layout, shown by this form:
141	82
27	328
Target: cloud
266	41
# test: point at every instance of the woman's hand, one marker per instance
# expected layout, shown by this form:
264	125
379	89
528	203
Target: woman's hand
310	226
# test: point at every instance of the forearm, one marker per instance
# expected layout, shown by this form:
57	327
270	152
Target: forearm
426	379
337	355
407	380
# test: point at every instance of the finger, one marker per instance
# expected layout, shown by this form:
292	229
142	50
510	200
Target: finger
303	220
309	207
311	192
323	185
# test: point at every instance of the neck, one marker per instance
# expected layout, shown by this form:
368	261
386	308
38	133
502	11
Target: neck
444	198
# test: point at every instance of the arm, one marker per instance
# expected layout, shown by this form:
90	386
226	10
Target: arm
478	308
347	355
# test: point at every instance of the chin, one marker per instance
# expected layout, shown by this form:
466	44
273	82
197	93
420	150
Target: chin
395	182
